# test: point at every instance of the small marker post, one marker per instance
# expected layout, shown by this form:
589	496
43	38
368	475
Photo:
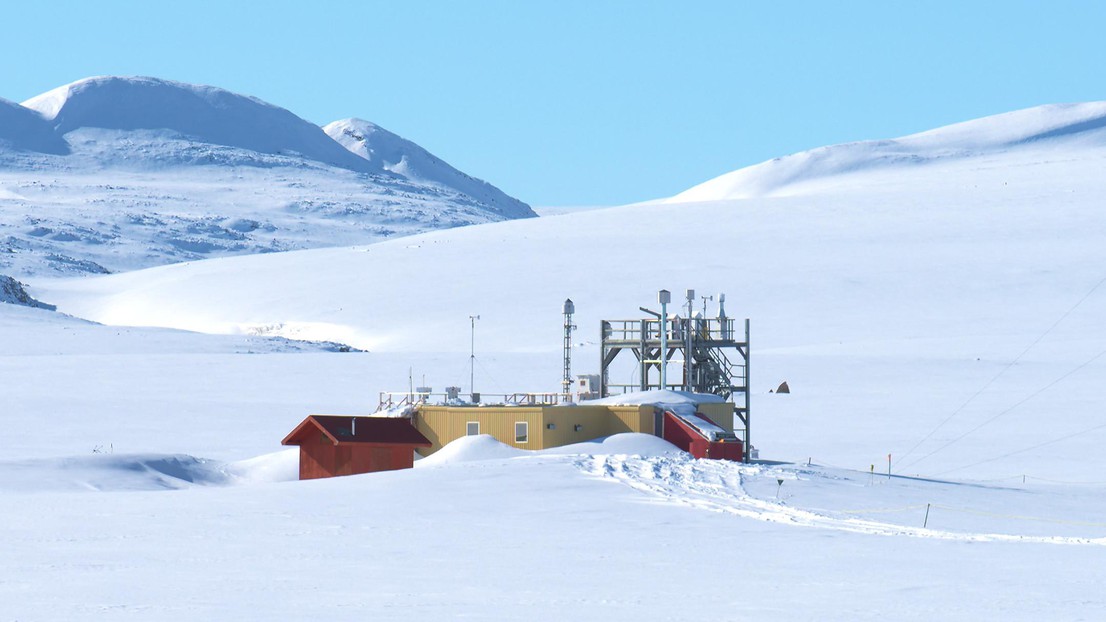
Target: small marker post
925	523
779	486
888	466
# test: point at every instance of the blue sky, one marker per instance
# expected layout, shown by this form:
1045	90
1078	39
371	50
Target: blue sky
588	102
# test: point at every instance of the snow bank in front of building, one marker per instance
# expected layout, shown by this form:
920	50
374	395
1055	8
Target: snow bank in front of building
471	449
280	466
485	447
628	444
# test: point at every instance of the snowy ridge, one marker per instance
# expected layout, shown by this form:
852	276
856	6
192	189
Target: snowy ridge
22	129
1059	126
403	157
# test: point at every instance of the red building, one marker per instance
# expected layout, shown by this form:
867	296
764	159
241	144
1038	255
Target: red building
332	445
685	436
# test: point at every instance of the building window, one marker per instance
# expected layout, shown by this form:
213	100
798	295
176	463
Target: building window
521	431
472	428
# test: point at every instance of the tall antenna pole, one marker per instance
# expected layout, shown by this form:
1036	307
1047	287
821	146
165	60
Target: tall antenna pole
566	382
472	352
688	344
665	297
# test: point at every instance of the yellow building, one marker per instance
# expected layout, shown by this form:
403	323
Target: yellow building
543	426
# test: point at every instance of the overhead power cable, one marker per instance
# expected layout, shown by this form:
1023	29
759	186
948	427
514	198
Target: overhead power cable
1015	406
1022	451
987	385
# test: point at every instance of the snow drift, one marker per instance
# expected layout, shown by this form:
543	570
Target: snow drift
108	472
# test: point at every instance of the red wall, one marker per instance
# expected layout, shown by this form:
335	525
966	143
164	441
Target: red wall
688	439
320	457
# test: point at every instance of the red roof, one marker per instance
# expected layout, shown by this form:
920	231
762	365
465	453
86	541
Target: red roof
342	430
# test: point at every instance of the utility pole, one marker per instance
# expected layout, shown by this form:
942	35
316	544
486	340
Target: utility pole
688	337
566	382
472	353
665	297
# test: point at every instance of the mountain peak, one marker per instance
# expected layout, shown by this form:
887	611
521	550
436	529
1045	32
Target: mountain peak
199	113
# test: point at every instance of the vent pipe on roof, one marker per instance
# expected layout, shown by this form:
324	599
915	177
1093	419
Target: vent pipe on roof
723	324
353	426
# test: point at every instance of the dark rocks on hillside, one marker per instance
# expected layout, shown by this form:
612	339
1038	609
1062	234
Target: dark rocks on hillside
12	292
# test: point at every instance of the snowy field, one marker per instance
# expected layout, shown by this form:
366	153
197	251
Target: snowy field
938	299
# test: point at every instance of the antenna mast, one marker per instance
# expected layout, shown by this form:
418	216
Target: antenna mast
664	297
472	351
566	382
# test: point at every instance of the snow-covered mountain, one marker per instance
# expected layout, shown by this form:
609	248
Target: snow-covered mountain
110	173
1061	129
198	114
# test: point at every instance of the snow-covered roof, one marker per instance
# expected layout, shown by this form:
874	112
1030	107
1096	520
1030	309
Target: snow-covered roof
658	398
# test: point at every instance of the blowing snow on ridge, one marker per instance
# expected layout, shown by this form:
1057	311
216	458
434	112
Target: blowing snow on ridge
110	173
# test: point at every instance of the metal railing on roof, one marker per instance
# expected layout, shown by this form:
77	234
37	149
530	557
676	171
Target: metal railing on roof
394	399
649	329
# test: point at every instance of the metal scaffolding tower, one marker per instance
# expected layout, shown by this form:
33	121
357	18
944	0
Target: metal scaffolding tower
715	356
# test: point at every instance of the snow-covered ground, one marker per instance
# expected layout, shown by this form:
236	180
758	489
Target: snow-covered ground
626	531
944	310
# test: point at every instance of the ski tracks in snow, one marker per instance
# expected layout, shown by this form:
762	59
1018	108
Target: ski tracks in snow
716	486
